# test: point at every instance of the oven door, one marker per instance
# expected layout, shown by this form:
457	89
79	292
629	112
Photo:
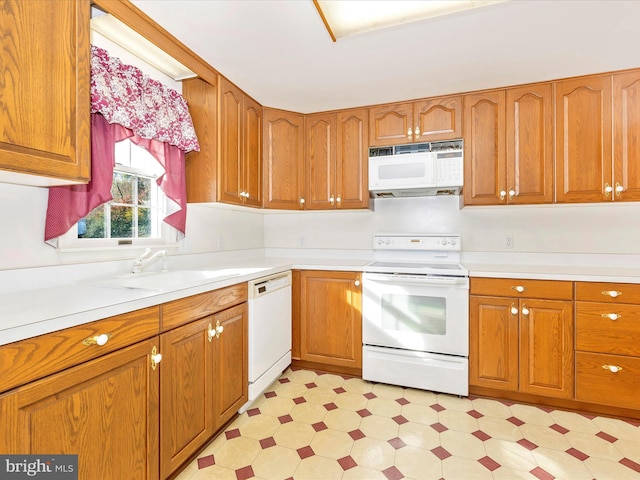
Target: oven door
416	312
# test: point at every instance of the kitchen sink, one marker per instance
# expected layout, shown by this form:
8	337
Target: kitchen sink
168	280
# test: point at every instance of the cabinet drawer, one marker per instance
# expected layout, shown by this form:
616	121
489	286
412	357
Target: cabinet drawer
608	292
191	308
509	287
597	331
33	358
597	384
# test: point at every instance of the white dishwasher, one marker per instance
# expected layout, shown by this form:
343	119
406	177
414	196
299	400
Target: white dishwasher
269	331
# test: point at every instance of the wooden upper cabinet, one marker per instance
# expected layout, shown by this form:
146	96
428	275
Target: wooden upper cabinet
529	154
437	119
484	148
283	148
44	106
626	136
583	140
231	114
201	167
422	121
352	159
320	160
252	153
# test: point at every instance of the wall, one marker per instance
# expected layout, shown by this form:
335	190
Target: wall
584	228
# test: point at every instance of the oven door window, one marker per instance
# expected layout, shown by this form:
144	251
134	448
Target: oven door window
414	313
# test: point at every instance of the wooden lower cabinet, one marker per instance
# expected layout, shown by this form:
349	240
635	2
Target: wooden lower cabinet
104	410
521	344
331	319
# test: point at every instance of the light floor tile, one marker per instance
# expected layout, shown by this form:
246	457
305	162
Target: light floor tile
421	397
561	465
357	385
320	395
382	428
308	413
342	420
417	463
294	435
383	390
630	450
373	453
510	454
329	381
363	473
332	444
215	471
259	426
418	435
462	444
464	469
453	402
351	401
277	406
618	428
419	413
459	421
608	470
290	390
237	453
491	408
544	437
318	468
573	422
276	462
384	407
593	446
531	414
499	428
505	473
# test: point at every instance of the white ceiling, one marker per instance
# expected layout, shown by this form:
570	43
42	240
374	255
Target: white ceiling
279	52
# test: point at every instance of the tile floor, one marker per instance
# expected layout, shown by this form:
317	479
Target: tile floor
310	425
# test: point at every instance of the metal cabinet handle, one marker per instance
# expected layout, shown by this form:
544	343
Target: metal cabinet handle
512	193
611	316
331	199
612	368
619	189
338	199
210	333
519	288
607	189
525	310
219	329
514	309
301	201
611	293
99	340
409	133
417	133
357	282
156	358
503	194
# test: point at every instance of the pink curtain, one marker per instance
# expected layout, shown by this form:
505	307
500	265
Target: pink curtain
125	103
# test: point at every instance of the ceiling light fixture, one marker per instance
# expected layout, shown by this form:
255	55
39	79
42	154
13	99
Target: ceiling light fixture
348	17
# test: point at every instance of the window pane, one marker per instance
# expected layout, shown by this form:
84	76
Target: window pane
121	222
93	224
145	227
122	188
144	191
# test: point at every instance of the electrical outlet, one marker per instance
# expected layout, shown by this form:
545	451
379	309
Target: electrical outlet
220	244
508	241
301	241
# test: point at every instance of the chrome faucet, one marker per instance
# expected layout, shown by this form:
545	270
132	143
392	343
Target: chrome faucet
142	261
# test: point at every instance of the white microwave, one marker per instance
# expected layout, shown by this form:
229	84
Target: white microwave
420	169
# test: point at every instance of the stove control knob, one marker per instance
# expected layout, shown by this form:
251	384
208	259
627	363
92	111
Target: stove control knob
445	241
453	241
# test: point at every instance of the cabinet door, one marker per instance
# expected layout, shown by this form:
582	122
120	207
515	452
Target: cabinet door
44	107
391	124
201	167
252	153
583	140
493	342
283	146
320	161
230	106
186	378
231	363
331	323
546	348
529	157
105	411
352	159
626	136
484	148
438	119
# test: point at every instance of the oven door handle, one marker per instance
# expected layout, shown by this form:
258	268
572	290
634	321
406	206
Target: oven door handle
416	279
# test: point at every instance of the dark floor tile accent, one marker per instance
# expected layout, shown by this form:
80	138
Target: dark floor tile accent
347	462
305	452
267	442
285	418
310	385
253	412
232	433
577	454
479	434
369	395
586	415
299	400
244	473
399	419
507	403
270	394
529	445
403	401
392	473
440	452
397	443
364	412
475	414
489	463
356	434
207	461
438	427
437	407
607	437
516	421
559	428
284	380
330	406
630	464
541	474
339	390
318	427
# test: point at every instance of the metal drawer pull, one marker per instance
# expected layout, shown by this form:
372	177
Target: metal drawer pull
525	310
514	309
611	316
612	368
611	293
99	340
156	358
519	288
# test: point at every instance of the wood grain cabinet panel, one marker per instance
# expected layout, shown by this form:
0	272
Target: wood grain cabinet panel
320	161
352	158
608	379
283	154
230	104
105	410
583	140
187	382
331	318
44	114
438	119
251	171
608	328
391	124
626	136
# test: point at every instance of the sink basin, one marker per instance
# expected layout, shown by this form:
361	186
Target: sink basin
167	280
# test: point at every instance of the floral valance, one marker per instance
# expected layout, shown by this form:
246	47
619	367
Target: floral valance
125	95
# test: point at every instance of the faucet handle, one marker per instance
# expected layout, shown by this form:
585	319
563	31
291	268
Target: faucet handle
146	252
